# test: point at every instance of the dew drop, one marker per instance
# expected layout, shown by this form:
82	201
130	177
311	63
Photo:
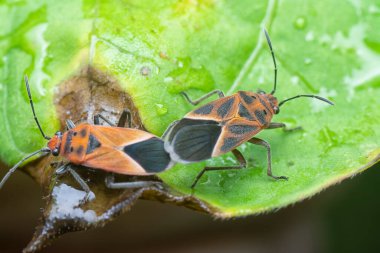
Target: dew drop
309	36
145	71
294	80
307	61
260	80
168	79
300	23
161	109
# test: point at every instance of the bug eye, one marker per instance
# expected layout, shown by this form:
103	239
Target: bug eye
276	110
260	91
55	152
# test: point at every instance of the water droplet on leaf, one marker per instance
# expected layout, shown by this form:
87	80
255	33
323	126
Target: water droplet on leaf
300	23
145	71
307	61
160	109
294	80
168	79
309	36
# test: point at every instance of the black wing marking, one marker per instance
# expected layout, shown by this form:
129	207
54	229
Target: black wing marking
92	144
244	113
226	107
195	143
150	154
204	110
241	129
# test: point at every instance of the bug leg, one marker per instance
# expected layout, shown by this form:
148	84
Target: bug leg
240	158
265	144
195	102
167	131
66	168
110	183
125	117
99	116
274	125
61	170
82	183
70	124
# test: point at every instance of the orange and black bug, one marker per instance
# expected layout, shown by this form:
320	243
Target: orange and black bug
222	125
110	148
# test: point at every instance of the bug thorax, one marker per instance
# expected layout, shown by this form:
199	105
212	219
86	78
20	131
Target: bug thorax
54	143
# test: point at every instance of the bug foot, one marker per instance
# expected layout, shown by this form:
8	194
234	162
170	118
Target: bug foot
298	128
158	185
90	196
280	177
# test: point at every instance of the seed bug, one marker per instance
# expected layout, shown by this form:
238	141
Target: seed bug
110	148
224	124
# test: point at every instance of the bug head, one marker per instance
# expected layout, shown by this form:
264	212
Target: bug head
54	143
273	101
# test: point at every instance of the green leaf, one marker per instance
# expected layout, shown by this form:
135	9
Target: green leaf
155	49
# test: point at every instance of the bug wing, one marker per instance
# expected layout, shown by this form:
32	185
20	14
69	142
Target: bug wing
234	133
126	151
109	159
193	140
218	110
119	136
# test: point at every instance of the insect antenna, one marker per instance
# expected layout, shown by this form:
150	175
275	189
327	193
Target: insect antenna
274	61
31	104
310	96
13	169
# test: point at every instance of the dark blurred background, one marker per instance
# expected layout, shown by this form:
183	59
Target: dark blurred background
343	218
